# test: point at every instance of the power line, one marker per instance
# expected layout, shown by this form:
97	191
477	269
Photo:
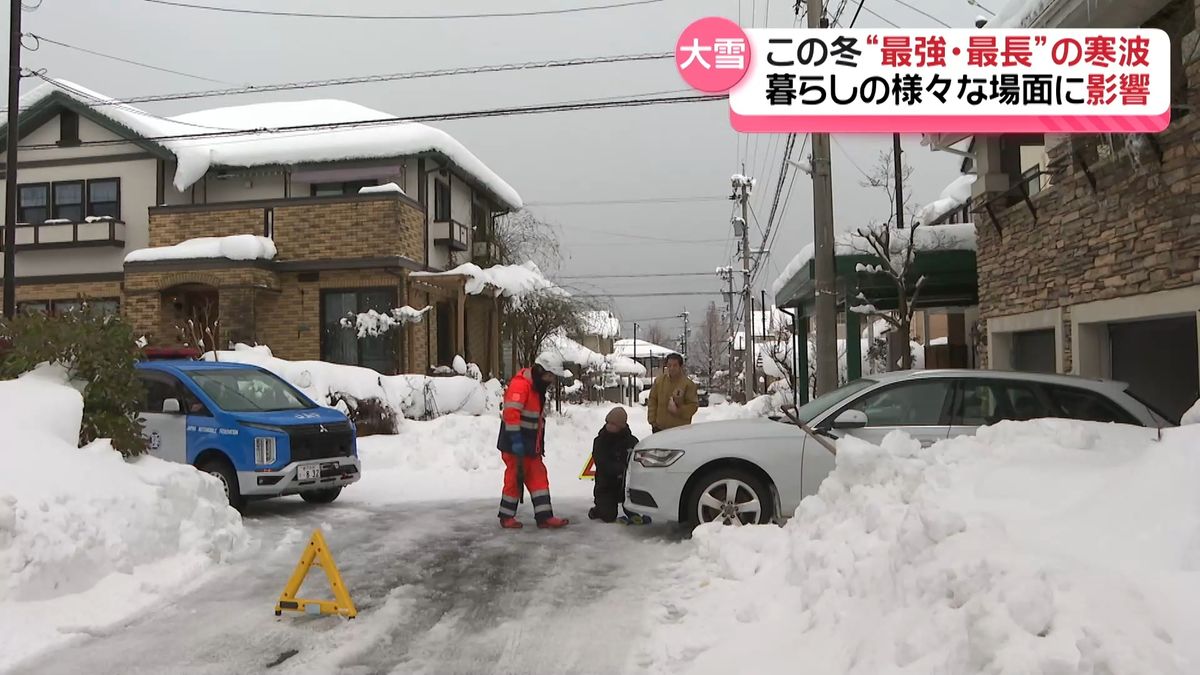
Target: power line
624	102
651	295
392	17
922	12
846	154
40	39
877	16
393	77
672	242
637	276
648	200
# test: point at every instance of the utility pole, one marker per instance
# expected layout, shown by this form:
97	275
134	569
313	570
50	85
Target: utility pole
896	152
743	186
726	274
686	335
10	159
825	309
635	395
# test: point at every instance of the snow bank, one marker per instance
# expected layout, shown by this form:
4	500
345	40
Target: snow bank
386	188
952	198
1036	547
267	141
86	537
410	396
235	247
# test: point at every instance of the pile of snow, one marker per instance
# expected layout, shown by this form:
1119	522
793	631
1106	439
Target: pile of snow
374	324
510	281
951	237
270	139
600	323
386	188
409	396
952	198
1036	547
87	538
235	247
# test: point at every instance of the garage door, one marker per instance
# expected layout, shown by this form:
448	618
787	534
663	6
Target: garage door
1033	351
1159	361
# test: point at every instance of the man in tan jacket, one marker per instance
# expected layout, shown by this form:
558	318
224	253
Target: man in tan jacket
673	401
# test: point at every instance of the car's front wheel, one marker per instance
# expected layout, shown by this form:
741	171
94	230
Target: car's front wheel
325	496
223	471
731	497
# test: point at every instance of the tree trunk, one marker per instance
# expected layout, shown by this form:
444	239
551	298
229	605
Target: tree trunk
905	333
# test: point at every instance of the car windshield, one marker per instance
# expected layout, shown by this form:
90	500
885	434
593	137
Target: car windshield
237	390
820	404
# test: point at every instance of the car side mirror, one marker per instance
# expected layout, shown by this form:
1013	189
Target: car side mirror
171	406
850	419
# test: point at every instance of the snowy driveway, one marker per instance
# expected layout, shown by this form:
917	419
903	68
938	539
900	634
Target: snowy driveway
439	588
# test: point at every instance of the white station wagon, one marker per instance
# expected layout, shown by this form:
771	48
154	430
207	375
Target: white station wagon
749	471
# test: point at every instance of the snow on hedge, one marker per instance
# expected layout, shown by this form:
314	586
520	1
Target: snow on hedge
952	198
1036	547
266	140
951	237
87	538
373	324
409	396
235	247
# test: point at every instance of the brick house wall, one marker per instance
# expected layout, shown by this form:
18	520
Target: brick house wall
94	290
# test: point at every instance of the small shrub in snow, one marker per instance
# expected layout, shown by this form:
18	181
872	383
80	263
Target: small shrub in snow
370	415
100	352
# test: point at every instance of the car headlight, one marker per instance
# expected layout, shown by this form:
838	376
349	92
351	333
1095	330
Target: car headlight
654	459
264	450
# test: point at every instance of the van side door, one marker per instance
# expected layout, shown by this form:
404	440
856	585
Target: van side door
164	419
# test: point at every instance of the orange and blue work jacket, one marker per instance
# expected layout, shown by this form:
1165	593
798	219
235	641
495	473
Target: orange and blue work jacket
522	415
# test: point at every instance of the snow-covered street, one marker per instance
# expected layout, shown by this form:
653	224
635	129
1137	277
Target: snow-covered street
439	588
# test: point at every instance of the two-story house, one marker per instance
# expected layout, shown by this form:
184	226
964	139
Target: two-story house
353	200
1089	245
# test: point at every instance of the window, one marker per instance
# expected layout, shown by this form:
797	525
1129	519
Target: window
158	387
34	307
911	404
340	189
68	201
980	403
249	390
1081	404
342	345
68	128
33	203
104	198
441	201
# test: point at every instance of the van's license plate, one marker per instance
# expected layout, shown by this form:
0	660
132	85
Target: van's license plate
308	472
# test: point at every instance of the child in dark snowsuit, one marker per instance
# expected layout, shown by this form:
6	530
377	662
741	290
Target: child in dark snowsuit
610	452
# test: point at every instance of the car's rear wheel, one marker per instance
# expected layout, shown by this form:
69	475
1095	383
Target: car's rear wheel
731	496
321	496
224	472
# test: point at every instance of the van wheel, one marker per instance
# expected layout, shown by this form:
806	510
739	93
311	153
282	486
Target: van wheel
731	497
224	472
321	496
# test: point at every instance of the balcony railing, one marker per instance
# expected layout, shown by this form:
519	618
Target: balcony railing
68	234
452	234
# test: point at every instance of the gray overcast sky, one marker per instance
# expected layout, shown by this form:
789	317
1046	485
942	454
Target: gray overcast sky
670	151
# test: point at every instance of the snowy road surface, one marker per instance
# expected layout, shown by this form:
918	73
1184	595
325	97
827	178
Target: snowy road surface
439	588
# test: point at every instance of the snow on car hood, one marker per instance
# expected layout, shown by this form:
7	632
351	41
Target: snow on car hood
719	432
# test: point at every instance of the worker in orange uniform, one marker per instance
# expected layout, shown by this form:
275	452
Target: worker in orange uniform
521	444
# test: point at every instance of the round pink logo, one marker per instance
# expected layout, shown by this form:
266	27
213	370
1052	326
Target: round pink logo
713	54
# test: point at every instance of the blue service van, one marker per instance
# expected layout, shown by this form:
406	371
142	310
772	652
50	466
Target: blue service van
243	424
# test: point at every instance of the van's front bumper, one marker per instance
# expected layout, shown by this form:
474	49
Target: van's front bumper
335	472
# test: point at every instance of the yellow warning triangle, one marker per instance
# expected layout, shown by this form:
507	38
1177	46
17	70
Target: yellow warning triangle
317	552
589	470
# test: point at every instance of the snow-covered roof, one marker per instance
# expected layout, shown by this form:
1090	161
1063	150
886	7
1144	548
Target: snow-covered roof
236	247
262	144
601	323
952	198
952	237
644	349
510	281
573	352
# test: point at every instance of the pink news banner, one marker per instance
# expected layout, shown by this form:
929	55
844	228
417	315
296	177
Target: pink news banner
932	81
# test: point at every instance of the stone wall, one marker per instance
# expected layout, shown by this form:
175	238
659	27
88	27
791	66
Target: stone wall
1136	232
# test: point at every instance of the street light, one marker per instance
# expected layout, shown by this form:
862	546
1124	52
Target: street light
976	3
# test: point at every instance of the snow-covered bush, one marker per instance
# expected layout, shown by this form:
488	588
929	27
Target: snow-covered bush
370	415
99	351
